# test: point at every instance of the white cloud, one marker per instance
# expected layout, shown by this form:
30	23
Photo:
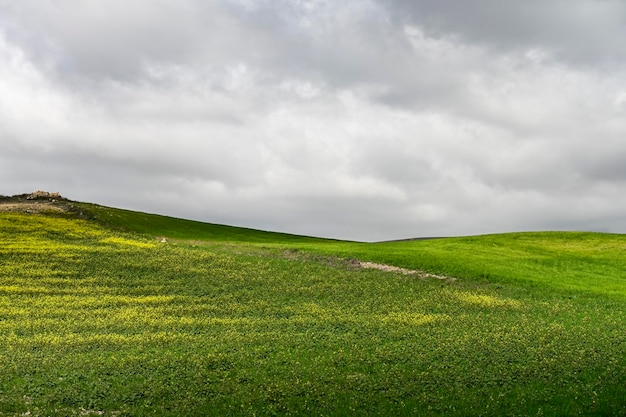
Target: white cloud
311	117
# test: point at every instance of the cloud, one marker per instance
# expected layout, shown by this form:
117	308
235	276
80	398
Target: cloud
585	32
361	119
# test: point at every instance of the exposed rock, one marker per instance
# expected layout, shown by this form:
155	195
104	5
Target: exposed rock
38	195
36	203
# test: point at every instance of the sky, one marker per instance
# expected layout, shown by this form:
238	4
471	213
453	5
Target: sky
356	119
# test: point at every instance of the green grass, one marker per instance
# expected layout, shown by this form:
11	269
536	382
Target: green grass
174	228
98	316
588	262
581	263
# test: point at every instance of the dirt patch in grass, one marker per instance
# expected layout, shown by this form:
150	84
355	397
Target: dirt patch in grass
404	271
39	202
32	207
356	264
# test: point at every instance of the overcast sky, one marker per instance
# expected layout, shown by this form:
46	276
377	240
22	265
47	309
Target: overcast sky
354	119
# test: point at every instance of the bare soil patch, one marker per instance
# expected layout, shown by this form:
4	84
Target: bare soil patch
357	264
32	207
37	202
404	271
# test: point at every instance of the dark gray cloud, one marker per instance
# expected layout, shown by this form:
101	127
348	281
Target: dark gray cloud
579	31
359	119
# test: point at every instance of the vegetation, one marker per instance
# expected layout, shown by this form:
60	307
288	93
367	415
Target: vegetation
98	317
182	229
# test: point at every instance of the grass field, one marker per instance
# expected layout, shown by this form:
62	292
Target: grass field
98	317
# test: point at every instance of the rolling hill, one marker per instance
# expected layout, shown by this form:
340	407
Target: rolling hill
106	311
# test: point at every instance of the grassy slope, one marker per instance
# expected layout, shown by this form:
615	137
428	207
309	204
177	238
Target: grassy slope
588	262
573	261
156	225
96	319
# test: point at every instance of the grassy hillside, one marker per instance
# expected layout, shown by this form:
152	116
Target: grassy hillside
581	263
587	262
174	228
96	320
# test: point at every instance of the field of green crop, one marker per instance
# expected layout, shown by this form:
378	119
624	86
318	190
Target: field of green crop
98	317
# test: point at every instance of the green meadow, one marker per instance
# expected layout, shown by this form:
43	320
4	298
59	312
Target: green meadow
98	316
